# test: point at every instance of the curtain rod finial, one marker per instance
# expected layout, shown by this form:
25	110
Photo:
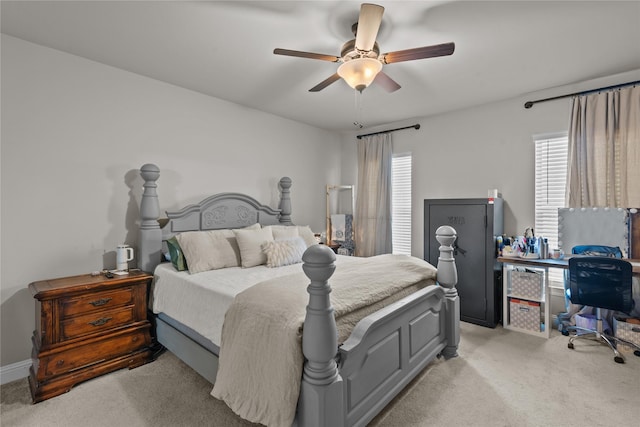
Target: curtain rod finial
528	104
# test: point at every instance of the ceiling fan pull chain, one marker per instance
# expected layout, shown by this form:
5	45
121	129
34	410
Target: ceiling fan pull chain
358	108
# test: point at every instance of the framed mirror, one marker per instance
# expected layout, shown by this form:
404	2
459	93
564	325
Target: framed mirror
341	206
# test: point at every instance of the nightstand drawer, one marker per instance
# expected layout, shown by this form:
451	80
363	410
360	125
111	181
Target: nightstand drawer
96	322
96	301
95	352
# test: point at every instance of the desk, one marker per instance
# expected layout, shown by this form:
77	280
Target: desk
557	263
543	304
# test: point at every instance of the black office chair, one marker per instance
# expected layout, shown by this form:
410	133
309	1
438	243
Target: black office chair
564	319
602	283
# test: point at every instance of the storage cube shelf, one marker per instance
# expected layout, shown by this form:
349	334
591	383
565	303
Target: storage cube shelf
525	291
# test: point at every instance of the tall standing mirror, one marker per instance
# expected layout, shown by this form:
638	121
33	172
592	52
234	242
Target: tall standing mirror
341	206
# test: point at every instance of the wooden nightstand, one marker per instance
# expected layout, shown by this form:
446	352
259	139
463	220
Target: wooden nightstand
87	326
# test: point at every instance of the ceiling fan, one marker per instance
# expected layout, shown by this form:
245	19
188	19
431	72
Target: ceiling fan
361	59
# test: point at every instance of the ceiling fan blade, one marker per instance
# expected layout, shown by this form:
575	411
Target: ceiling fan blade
317	88
309	55
386	82
418	53
368	26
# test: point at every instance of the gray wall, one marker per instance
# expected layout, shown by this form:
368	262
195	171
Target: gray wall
74	134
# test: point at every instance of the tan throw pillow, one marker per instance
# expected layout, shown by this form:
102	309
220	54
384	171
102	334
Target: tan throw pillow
250	243
199	251
284	252
211	250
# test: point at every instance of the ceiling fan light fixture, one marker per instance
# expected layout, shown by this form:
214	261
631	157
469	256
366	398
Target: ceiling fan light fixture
360	72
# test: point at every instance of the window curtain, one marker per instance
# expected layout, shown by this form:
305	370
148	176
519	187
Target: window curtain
373	202
604	150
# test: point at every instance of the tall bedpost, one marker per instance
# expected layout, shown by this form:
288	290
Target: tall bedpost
448	278
321	392
285	201
150	234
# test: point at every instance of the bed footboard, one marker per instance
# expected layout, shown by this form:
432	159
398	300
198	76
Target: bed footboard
386	349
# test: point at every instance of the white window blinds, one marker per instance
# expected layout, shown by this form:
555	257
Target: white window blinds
550	182
401	203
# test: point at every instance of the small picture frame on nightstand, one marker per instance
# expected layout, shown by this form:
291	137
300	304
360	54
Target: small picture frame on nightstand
344	251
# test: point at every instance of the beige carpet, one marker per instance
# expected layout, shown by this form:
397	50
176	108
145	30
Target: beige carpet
501	378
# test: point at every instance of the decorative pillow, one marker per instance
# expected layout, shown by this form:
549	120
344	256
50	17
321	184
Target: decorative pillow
307	235
283	231
211	250
250	243
284	252
176	255
200	251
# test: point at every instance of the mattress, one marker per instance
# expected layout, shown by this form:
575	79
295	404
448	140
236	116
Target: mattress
200	301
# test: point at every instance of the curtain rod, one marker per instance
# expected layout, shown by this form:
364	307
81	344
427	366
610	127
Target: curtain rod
416	126
529	104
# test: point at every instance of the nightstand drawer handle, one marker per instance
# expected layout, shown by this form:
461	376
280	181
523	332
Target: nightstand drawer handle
99	302
100	321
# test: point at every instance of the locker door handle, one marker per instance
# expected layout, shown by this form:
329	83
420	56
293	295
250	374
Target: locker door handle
457	248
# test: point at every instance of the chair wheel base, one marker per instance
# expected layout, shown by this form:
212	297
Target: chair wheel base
637	353
570	345
619	359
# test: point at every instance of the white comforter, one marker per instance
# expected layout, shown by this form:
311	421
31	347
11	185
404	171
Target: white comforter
261	356
201	300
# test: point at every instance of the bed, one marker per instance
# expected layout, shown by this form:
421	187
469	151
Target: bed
351	363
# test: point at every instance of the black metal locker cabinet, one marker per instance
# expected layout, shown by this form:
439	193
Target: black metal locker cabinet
478	222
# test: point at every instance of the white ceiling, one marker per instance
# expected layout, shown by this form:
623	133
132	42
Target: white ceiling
504	49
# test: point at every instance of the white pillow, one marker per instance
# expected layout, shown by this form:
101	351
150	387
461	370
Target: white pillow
210	250
291	231
307	235
283	231
250	243
284	252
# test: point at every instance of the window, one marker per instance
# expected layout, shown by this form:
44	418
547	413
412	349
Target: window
401	203
550	181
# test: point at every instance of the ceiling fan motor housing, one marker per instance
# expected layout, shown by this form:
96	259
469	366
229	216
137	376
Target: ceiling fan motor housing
349	51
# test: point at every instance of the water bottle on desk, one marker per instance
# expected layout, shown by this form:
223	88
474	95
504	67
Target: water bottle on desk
544	248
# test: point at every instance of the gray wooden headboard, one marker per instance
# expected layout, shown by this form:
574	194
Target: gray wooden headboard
223	210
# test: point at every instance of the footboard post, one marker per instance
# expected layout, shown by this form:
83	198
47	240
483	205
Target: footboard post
150	250
321	401
448	278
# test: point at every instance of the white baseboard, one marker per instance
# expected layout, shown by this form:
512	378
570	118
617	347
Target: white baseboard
14	371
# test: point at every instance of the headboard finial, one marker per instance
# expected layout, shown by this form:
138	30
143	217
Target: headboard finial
150	172
285	182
